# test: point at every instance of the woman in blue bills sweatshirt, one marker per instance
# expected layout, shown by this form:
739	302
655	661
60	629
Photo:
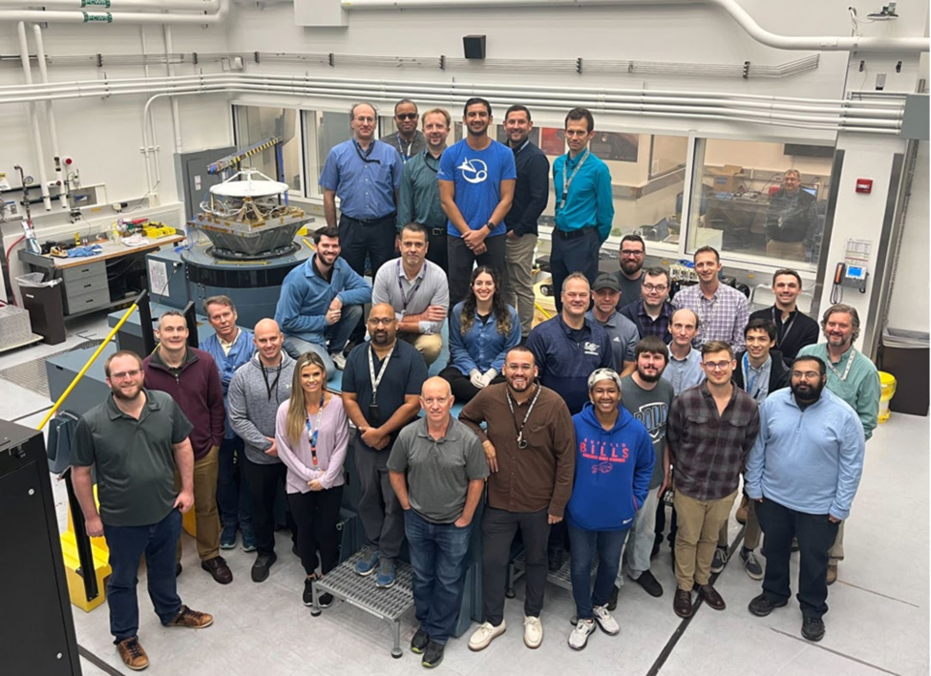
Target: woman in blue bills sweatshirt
612	476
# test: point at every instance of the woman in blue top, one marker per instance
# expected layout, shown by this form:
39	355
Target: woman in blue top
482	329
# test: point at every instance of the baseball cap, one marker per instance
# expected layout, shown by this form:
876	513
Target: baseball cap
606	280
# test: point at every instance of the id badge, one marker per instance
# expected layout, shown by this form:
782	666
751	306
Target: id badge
374	416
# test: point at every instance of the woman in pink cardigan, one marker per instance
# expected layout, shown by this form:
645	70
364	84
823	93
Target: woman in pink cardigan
312	432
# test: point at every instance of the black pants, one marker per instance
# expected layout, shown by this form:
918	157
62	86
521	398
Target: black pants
661	524
371	239
463	389
437	251
316	514
379	509
498	530
264	483
578	254
815	533
461	260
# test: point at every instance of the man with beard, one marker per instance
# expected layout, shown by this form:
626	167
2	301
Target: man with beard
476	177
419	195
407	140
530	197
417	290
631	255
794	329
321	301
803	472
652	314
381	394
529	444
853	378
136	441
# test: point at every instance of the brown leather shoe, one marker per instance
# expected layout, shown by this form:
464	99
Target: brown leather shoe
682	603
832	573
190	619
741	515
712	597
132	654
218	569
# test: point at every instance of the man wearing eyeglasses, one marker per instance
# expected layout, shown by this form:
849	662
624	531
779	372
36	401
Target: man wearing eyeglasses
365	174
407	140
632	254
710	430
652	313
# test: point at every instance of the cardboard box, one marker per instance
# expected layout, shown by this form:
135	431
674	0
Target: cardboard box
726	179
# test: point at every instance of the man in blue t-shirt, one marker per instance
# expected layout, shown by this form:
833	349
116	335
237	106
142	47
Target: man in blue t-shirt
477	177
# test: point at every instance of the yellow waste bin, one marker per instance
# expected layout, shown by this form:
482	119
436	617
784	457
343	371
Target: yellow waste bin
887	391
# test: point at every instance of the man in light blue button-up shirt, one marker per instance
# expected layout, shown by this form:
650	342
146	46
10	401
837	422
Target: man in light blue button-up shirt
803	470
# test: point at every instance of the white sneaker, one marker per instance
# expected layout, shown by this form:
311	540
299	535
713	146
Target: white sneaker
533	632
339	360
578	639
607	623
485	634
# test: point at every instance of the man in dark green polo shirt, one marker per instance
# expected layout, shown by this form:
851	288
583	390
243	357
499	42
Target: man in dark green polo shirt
135	440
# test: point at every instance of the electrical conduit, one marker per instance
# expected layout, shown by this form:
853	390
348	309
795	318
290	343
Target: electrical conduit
50	115
118	17
33	117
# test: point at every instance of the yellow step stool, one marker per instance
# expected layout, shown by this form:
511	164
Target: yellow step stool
69	550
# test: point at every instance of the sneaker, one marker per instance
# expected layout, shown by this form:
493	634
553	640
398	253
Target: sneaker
218	569
719	560
368	563
387	572
763	605
650	585
606	623
751	564
533	632
308	596
228	537
554	560
578	638
433	655
485	634
190	619
812	628
262	563
340	362
325	600
612	600
832	573
419	641
132	654
248	539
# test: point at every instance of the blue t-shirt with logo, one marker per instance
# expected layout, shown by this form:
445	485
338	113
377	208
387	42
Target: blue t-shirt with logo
477	176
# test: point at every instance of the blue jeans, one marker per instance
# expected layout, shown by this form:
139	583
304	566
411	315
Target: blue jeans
233	497
336	336
127	545
437	555
585	545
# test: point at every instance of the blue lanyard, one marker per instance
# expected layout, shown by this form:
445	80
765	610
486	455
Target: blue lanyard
751	383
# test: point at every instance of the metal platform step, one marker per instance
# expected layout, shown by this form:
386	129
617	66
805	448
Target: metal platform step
386	604
561	578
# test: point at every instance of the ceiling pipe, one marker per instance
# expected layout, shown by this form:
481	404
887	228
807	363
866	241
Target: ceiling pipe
211	6
117	17
50	116
824	43
33	117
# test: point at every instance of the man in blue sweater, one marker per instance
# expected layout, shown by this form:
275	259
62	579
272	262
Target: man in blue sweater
321	301
803	471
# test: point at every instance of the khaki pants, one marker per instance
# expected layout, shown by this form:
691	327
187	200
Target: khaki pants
794	251
699	525
429	345
518	281
206	515
751	532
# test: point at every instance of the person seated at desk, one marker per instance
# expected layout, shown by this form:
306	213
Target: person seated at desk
321	303
417	290
482	329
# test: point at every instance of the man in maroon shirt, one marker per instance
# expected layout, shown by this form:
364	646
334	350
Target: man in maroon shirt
191	377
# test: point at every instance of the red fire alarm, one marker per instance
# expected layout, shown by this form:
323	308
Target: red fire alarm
865	185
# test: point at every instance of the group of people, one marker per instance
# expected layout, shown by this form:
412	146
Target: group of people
574	428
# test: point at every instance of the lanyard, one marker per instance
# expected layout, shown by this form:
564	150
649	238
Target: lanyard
313	431
749	383
842	377
365	156
426	160
567	183
406	155
521	443
375	381
407	299
785	327
274	384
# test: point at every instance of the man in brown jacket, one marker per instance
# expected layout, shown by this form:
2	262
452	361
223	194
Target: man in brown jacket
530	447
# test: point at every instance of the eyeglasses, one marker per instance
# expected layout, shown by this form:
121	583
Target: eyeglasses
655	287
807	375
124	374
407	116
380	321
630	252
716	365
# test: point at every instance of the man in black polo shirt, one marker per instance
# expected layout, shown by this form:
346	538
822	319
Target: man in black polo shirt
530	197
794	330
381	394
135	440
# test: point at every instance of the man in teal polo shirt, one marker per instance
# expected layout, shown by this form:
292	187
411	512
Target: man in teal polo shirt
584	204
853	378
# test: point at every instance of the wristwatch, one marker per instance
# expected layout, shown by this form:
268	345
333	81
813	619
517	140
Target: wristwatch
491	226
